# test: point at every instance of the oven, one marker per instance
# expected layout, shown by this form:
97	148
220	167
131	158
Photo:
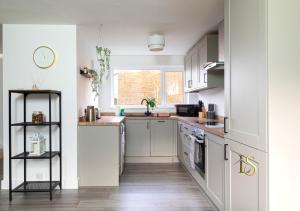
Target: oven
199	153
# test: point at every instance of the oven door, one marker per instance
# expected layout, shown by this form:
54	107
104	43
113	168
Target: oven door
199	156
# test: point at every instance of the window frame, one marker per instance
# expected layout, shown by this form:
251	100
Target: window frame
162	70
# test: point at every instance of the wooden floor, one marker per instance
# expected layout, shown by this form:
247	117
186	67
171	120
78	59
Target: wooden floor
144	187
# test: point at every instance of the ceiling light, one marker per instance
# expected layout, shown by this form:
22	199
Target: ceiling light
156	42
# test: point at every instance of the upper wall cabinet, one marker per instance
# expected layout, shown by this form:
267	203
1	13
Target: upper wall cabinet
203	53
245	72
188	72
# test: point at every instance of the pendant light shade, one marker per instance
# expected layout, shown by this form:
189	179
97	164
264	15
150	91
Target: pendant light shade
156	42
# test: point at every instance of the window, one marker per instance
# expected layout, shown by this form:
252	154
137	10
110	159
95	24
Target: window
173	87
131	86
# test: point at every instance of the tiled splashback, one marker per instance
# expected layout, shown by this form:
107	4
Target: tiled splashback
215	96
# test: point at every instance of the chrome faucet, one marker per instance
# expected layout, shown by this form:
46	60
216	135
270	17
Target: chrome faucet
147	113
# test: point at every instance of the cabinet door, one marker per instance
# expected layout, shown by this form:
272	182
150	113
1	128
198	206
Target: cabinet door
179	141
202	52
162	138
195	67
245	72
137	138
215	169
246	181
188	72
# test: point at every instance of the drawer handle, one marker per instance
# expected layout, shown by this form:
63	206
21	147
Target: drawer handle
186	128
187	154
161	121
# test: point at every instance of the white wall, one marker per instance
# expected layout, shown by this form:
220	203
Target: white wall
284	104
86	57
215	96
19	71
1	88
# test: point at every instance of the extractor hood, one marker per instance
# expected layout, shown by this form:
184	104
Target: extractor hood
219	64
214	66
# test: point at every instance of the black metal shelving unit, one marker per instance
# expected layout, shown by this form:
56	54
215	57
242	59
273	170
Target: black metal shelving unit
35	186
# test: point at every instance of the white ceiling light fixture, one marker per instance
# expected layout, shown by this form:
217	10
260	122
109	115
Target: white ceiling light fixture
156	42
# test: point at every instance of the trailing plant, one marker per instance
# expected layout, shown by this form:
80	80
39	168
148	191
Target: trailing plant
103	56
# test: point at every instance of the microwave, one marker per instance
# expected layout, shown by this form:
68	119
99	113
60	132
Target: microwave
187	110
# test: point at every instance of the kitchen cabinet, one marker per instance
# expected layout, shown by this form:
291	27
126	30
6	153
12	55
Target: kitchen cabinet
246	173
99	155
162	138
184	144
215	169
151	141
137	137
188	72
195	67
246	72
204	51
179	142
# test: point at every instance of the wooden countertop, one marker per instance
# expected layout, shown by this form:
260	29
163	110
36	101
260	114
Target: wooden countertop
104	121
193	121
117	120
151	117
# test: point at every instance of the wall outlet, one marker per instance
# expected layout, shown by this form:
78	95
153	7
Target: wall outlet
39	176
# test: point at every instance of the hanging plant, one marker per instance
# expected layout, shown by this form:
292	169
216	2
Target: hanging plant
103	56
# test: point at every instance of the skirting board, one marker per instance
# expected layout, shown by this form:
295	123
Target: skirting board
173	159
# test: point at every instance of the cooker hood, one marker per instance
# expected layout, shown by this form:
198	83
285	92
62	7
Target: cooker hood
214	66
218	63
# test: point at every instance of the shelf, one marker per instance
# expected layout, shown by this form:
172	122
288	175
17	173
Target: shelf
88	73
46	155
39	91
35	124
36	186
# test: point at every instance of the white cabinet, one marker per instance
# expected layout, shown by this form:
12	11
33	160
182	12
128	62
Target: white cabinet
162	138
246	173
215	170
179	141
98	155
151	141
197	78
184	144
195	67
187	72
137	137
245	72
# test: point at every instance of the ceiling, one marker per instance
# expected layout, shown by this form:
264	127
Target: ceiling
126	23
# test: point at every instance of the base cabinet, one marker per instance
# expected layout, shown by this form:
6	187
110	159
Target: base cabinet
151	141
137	138
215	170
162	138
246	178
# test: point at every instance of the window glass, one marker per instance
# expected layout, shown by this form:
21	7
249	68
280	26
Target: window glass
174	87
131	86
